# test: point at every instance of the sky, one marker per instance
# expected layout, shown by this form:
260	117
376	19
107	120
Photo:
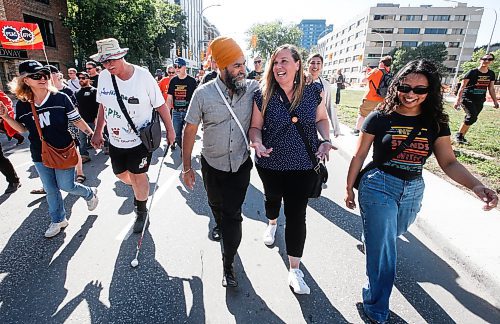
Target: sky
234	17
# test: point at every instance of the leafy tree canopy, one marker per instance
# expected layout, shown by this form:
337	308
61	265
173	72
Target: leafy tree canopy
147	27
436	53
272	35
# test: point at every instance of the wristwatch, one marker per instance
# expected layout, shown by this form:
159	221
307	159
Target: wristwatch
325	140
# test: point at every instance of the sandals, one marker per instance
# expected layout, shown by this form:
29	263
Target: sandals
81	178
38	191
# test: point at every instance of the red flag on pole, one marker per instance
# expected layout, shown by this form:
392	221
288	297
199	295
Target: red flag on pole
20	35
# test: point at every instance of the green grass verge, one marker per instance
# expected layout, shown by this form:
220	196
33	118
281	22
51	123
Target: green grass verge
481	156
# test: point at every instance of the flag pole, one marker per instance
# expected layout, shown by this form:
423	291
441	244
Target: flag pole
45	53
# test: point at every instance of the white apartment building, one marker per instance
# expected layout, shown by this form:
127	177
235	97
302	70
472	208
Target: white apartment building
376	31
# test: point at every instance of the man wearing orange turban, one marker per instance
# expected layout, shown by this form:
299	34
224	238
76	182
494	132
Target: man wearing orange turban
225	157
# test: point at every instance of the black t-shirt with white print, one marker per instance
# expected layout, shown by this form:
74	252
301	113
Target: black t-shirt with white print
390	131
478	84
55	112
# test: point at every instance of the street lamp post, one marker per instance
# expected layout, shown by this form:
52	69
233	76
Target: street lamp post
383	43
493	30
203	23
453	84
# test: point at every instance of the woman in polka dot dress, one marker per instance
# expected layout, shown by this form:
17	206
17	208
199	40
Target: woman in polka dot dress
282	160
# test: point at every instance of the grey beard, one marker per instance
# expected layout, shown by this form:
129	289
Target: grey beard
238	86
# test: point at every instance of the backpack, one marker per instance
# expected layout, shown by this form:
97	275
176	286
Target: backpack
383	86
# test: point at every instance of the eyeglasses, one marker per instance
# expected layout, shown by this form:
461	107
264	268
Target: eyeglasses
38	76
404	88
176	66
487	59
171	72
89	68
82	78
257	62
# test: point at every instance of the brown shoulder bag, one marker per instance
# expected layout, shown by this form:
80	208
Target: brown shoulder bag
52	157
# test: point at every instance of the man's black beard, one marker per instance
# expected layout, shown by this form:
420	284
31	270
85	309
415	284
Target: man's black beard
237	86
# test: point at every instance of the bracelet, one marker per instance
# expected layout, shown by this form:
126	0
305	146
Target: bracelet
184	172
325	141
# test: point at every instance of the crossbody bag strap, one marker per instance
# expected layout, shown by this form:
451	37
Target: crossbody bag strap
37	121
232	114
122	105
298	125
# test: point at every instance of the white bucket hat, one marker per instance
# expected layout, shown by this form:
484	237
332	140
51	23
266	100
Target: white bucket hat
108	49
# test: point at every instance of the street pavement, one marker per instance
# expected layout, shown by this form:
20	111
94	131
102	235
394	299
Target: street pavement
447	270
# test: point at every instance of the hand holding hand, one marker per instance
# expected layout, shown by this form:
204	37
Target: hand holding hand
487	195
97	140
261	150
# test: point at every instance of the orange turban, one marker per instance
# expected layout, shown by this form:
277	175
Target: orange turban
225	51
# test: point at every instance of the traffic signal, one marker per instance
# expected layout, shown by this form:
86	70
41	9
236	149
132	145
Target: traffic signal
202	55
190	54
253	41
179	51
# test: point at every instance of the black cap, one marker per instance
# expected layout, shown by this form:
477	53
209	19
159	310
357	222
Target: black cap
32	67
52	68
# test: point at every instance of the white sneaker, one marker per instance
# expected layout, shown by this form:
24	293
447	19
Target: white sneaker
92	203
55	228
296	281
269	234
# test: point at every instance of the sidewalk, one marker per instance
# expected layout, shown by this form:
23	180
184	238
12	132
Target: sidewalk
454	220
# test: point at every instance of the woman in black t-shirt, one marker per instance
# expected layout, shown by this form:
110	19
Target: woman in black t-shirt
391	193
54	111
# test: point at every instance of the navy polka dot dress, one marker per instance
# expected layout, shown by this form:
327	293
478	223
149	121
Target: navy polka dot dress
279	133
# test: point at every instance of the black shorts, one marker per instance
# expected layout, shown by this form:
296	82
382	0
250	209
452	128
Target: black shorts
135	159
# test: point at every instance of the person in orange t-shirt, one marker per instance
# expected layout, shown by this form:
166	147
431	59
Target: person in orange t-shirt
371	99
164	83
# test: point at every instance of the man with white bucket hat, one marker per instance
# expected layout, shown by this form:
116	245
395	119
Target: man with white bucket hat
140	94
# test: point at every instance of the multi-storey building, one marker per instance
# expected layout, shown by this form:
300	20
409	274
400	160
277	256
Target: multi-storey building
312	29
48	15
375	32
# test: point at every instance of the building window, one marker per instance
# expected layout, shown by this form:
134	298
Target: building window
457	31
409	44
354	69
373	55
380	43
411	17
460	18
383	17
335	62
349	38
440	31
432	43
46	28
341	51
346	70
348	59
409	31
438	17
341	61
454	44
452	57
383	30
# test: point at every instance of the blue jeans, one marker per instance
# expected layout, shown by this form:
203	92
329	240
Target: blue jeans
178	121
55	180
388	207
84	139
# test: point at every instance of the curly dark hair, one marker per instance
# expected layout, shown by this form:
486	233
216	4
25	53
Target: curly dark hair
432	108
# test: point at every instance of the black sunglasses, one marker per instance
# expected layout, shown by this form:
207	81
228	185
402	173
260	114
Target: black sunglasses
404	88
38	76
257	62
176	66
82	78
171	72
487	58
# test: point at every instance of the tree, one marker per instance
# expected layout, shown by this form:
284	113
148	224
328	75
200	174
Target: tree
436	53
474	62
272	35
147	27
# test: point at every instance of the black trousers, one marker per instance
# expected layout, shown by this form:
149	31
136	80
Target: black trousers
337	96
292	187
472	110
7	168
226	192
